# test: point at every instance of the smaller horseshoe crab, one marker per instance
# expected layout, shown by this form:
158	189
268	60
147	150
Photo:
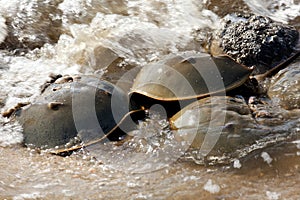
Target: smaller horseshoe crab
156	80
75	106
186	77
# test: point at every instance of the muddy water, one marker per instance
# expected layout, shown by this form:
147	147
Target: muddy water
86	37
27	174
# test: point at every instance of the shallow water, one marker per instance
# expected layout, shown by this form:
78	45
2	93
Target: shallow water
87	36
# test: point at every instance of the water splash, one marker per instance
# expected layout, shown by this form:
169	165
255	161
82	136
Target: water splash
3	29
279	10
21	80
146	32
10	132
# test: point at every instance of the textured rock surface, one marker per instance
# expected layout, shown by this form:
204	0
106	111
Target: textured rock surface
36	23
257	40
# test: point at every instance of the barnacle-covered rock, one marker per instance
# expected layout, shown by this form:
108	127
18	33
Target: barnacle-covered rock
257	40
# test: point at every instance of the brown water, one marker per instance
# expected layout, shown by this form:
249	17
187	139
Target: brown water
140	32
27	174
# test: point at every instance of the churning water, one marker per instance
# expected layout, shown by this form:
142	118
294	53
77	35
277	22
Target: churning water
40	37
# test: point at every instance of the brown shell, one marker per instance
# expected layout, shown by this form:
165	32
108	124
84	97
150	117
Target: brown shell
187	77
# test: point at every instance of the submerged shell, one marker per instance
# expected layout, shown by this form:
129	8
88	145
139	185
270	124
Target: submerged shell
285	87
83	106
217	126
187	77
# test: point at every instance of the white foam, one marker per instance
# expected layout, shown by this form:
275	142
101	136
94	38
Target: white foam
21	83
272	195
297	142
3	31
33	195
267	158
211	187
148	33
188	119
9	7
10	133
278	10
237	164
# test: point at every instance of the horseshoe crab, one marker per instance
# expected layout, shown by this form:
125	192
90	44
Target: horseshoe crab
63	111
173	82
184	81
157	80
181	79
80	106
177	80
257	42
192	90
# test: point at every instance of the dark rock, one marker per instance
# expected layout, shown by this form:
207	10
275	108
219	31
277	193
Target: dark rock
257	41
35	24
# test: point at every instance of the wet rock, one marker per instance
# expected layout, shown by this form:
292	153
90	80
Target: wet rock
217	125
257	40
35	23
285	87
105	57
111	66
82	12
67	107
224	7
267	112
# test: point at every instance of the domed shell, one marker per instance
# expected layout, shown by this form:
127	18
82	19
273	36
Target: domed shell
65	109
187	77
